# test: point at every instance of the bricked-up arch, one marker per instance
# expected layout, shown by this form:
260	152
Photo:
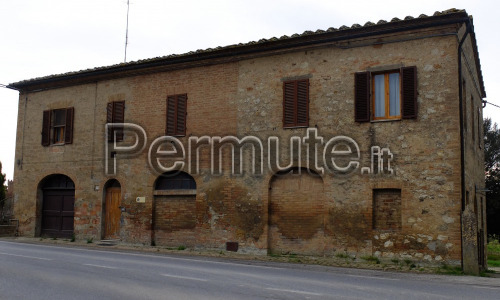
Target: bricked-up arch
57	206
174	210
296	212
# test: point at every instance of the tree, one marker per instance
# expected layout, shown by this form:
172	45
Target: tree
492	175
2	187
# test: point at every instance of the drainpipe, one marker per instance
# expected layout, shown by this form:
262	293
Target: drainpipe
468	30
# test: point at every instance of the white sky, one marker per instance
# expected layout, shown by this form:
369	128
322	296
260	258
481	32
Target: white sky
42	37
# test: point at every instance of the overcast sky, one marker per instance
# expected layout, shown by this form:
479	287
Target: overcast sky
42	37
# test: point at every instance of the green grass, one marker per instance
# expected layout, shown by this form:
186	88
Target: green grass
181	247
450	270
371	259
493	253
342	255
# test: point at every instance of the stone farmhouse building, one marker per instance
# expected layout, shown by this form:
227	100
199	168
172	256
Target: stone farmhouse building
365	140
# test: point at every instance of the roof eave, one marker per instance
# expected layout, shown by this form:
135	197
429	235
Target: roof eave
232	53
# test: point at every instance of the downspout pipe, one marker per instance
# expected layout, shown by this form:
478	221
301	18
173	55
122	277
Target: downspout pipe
468	30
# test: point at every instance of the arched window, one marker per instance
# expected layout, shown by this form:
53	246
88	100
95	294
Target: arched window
175	181
57	181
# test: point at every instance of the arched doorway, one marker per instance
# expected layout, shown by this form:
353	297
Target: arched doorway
112	210
174	210
58	206
296	212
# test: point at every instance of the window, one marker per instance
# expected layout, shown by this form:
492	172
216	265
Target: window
464	96
479	125
296	103
175	180
385	96
473	121
115	114
57	126
176	115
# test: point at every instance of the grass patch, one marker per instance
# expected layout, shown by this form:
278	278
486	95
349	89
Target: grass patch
342	255
395	261
372	259
493	253
90	240
450	270
181	247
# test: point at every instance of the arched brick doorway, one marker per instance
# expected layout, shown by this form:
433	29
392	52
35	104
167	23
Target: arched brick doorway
174	210
58	206
296	213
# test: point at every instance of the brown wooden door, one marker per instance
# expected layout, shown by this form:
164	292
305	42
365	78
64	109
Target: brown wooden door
113	212
58	211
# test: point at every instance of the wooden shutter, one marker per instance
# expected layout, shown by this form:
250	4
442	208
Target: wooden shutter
171	115
181	114
68	131
109	119
302	103
289	109
409	92
362	97
296	103
119	117
46	128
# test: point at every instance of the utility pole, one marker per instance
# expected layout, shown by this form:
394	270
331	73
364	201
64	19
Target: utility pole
126	32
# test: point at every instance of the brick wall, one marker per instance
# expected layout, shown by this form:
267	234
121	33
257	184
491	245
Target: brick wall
387	209
297	211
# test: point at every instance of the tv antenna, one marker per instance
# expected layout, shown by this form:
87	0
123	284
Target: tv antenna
126	32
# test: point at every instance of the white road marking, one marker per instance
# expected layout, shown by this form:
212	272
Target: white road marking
295	291
100	266
372	277
162	256
485	287
183	277
26	256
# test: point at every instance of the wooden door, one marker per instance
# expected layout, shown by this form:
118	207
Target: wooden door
113	212
58	211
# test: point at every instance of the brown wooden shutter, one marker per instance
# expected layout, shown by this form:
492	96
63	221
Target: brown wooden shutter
109	119
68	131
302	103
46	128
181	114
171	115
119	117
362	97
409	92
289	109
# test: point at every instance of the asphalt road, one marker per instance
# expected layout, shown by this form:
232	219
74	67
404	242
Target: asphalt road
33	271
